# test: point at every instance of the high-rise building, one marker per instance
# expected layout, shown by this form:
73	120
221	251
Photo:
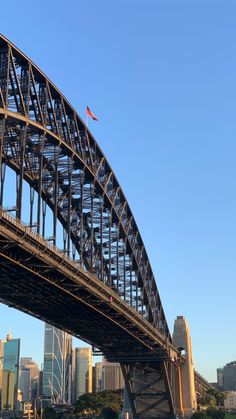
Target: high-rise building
112	376
10	374
1	369
57	365
24	383
108	376
229	376
28	379
220	379
73	398
98	384
8	390
226	377
40	389
83	371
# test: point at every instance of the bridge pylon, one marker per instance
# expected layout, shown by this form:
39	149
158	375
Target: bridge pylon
186	400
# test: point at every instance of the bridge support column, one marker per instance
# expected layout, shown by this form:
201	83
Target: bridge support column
186	402
149	390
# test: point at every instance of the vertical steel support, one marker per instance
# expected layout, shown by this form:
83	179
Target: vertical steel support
44	209
110	238
81	218
69	205
73	251
64	240
117	257
3	172
92	231
55	201
124	270
101	237
31	206
3	123
41	149
20	176
130	283
136	295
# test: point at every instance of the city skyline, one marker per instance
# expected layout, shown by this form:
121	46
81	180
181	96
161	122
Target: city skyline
170	90
67	372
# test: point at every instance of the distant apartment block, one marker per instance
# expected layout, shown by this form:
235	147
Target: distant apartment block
226	377
112	376
108	376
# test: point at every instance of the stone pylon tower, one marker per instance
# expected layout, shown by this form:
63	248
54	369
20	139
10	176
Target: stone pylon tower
182	341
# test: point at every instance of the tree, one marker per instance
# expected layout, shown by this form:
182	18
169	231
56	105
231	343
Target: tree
198	415
96	402
212	398
109	413
49	413
208	399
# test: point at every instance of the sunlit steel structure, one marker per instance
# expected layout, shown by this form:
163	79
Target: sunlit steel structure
100	285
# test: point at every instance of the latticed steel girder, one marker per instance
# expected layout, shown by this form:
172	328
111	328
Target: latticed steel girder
148	386
45	142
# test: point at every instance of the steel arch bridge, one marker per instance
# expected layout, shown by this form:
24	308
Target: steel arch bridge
100	285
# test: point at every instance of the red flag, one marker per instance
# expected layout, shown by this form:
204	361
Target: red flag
88	112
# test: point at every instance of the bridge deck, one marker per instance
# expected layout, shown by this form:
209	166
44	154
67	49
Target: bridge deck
39	279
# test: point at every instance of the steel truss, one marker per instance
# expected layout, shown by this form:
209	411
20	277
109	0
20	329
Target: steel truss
47	145
45	142
148	389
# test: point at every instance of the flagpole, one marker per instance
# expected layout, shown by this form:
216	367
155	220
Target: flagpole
86	120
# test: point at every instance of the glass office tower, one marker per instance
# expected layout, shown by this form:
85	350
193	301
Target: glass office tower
83	371
10	373
57	365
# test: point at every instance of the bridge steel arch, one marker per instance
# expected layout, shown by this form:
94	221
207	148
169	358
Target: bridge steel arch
45	142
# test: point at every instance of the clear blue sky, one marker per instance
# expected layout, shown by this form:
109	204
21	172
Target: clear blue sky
161	77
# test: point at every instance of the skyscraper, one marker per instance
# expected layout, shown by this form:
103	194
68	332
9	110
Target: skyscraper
229	376
28	378
1	369
226	377
24	383
83	371
220	378
112	376
57	365
11	354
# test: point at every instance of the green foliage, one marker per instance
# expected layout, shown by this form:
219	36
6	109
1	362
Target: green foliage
198	415
212	398
49	413
109	413
96	402
216	414
219	396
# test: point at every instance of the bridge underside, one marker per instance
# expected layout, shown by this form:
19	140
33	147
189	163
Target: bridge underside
39	280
